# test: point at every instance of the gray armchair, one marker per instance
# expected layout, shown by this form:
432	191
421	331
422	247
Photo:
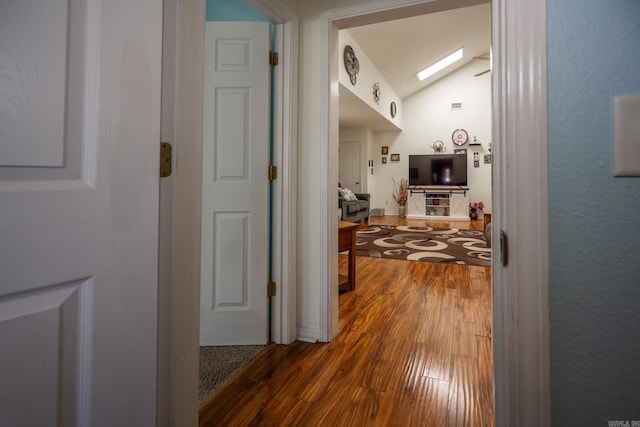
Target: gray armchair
355	210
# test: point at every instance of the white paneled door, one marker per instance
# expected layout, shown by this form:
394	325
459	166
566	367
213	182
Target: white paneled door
235	200
349	166
79	140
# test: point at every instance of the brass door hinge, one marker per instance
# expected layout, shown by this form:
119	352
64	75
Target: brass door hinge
165	159
273	172
271	289
273	58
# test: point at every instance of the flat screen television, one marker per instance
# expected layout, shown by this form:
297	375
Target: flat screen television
438	169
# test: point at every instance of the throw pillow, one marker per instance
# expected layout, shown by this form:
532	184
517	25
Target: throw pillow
348	195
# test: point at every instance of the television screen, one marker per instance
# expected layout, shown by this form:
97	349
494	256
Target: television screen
438	169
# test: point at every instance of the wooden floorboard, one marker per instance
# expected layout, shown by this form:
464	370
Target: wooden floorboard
414	349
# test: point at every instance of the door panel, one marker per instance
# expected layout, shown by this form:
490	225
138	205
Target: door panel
79	134
24	99
235	185
45	86
45	328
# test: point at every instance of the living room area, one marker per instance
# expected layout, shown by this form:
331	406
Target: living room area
383	124
437	304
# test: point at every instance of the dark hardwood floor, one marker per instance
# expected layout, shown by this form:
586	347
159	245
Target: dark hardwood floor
414	349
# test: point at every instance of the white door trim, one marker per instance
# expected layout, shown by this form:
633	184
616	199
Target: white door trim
285	200
521	331
520	301
185	292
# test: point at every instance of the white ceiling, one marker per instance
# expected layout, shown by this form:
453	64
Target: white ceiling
400	48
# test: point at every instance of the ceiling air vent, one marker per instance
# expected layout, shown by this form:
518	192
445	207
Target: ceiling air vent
456	105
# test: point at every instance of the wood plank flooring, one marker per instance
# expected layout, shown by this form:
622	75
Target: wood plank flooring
414	349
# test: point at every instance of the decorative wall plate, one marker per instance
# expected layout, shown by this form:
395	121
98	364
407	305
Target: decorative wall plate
393	109
460	136
376	92
351	63
438	147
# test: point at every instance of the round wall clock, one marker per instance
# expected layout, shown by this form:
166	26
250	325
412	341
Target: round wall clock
393	109
351	63
460	136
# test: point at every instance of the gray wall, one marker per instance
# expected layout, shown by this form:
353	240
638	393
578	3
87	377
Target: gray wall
593	55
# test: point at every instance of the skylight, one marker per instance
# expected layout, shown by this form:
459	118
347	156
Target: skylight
443	63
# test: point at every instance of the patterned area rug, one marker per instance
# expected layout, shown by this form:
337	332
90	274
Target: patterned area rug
445	245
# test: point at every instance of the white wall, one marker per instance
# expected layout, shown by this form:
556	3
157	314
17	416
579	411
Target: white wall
365	79
428	117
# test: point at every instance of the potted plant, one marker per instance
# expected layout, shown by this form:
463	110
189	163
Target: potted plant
400	193
474	208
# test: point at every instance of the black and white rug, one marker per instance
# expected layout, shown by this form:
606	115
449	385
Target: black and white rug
443	245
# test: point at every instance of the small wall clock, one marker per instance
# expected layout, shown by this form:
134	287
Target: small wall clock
460	136
351	63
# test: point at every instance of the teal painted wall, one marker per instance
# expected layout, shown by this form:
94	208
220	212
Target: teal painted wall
594	218
232	10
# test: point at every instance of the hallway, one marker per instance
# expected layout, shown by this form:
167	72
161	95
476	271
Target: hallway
414	349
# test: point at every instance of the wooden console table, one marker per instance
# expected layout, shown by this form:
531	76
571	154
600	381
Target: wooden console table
347	241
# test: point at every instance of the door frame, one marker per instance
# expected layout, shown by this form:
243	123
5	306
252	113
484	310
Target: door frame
520	290
521	329
190	17
285	188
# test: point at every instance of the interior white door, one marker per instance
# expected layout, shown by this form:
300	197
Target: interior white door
349	166
235	199
79	140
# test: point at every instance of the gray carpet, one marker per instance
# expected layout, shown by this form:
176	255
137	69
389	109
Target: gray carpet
220	364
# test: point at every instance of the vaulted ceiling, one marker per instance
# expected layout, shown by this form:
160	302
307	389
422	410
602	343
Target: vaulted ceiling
400	48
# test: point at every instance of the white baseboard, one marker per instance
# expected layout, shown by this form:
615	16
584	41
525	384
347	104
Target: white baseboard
308	334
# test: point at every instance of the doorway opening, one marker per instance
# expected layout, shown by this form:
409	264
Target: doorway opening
428	115
521	116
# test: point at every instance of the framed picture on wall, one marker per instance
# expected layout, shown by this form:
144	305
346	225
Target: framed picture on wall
395	157
384	159
385	150
487	158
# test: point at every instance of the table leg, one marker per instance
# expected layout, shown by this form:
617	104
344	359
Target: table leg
352	261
